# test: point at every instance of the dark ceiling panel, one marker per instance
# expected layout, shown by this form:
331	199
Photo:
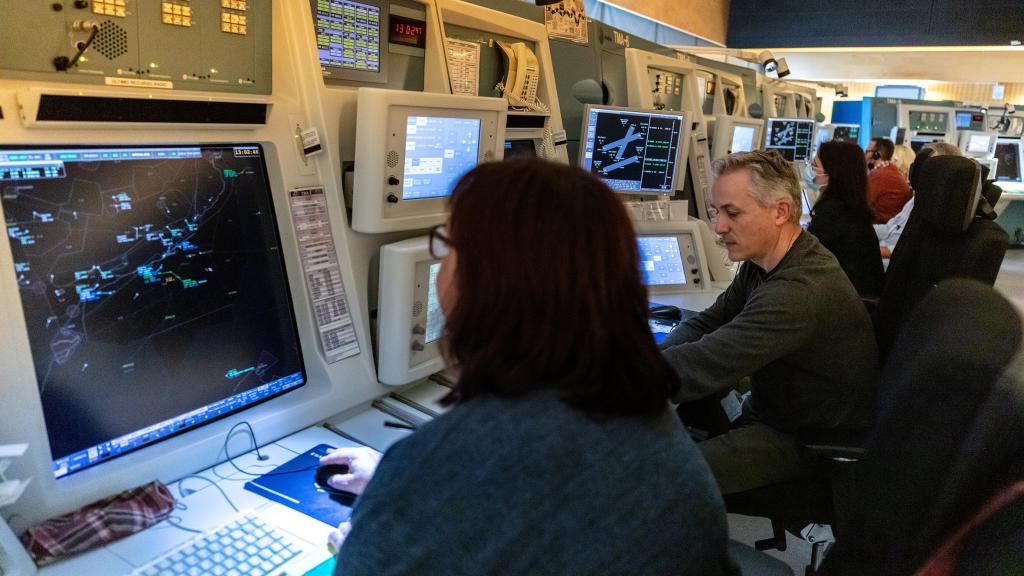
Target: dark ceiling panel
802	24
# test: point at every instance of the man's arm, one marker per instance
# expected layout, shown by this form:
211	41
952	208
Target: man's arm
776	321
726	306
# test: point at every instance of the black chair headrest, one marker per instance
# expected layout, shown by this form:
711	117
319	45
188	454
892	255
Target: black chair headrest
947	192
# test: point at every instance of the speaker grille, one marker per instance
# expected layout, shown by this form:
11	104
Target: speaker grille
392	159
111	41
417	308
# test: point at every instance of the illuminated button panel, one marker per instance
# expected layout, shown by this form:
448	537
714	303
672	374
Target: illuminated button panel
176	13
233	23
241	5
110	7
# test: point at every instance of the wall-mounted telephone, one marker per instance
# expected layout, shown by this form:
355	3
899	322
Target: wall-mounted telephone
721	268
521	77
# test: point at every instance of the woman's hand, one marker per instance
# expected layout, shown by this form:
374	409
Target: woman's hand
361	462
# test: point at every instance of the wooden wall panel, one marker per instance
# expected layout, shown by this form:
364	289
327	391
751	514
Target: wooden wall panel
708	19
966	92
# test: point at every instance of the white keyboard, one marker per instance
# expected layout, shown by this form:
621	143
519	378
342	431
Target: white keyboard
244	546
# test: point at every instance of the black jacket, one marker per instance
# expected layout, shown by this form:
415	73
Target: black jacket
850	237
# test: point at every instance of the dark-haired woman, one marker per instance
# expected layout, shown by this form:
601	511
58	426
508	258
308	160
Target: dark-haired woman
841	218
561	454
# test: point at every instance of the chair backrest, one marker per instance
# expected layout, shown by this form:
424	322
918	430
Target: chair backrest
943	239
942	441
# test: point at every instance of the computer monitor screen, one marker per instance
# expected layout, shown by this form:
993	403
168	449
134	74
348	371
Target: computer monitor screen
902	92
634	151
846	133
153	290
438	151
435	316
520	149
742	138
1008	155
978	143
792	137
348	38
963	120
661	261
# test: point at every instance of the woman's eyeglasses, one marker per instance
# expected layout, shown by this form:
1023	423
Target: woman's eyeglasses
440	243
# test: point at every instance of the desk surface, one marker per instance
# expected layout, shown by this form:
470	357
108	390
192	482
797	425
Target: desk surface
206	508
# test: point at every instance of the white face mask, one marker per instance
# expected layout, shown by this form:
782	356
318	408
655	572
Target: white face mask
809	175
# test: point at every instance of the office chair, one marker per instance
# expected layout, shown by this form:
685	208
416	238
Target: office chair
943	239
949	435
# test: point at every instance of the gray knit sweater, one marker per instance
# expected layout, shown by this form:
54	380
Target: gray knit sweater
529	485
800	332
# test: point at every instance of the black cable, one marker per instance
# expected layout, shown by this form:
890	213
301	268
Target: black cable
261	457
212	483
88	43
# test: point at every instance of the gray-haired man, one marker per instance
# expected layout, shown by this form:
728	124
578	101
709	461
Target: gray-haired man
791	321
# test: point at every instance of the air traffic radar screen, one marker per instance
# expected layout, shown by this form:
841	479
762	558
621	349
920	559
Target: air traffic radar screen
793	138
153	290
634	151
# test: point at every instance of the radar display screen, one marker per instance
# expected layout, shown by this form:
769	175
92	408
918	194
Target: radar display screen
1008	155
850	133
153	290
633	151
791	137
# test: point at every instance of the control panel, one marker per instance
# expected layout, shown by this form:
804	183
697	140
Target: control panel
930	122
667	89
208	45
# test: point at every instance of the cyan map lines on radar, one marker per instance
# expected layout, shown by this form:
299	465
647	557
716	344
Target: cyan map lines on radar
89	239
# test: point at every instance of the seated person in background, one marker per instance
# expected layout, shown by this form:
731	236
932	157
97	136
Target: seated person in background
791	321
841	219
902	157
888	190
889	233
561	454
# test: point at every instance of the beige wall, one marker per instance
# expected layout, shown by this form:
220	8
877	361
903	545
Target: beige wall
708	19
962	91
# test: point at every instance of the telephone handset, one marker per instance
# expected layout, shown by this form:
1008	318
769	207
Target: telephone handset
522	76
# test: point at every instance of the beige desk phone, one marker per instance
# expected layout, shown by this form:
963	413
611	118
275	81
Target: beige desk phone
523	75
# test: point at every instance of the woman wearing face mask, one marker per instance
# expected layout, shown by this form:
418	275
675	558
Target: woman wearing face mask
841	218
561	453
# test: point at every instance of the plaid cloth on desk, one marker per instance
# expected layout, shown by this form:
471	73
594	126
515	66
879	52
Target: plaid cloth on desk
99	523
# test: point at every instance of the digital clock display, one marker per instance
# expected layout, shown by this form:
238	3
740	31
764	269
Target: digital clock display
407	31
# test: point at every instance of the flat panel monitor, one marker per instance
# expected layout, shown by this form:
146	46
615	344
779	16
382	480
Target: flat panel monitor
413	148
902	92
153	289
1008	154
969	120
733	135
977	144
793	137
409	315
672	258
846	133
349	39
635	151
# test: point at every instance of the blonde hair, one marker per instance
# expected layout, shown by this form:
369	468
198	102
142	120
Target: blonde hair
902	157
772	177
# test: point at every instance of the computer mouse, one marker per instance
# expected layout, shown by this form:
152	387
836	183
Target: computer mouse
666	312
326	471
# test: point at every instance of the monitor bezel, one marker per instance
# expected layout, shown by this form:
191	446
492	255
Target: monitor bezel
681	149
1016	143
342	75
303	370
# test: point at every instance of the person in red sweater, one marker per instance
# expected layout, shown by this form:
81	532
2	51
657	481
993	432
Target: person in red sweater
888	189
